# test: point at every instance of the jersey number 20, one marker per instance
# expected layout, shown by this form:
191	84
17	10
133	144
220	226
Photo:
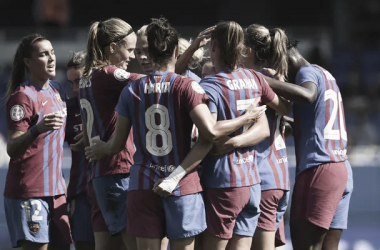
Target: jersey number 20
337	109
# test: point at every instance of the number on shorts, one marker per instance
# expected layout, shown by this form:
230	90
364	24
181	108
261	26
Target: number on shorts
86	105
337	109
243	105
155	130
279	142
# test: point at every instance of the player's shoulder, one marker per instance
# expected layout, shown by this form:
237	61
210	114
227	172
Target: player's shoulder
24	92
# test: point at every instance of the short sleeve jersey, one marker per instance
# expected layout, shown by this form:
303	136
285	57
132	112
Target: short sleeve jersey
78	181
230	93
98	96
159	106
38	171
320	130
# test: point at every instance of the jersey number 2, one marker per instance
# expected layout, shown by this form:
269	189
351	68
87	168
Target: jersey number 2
155	130
86	105
337	109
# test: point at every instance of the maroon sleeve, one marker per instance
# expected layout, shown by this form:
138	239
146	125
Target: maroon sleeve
117	78
193	94
20	112
267	94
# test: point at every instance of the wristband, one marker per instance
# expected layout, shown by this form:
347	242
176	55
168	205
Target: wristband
170	182
34	131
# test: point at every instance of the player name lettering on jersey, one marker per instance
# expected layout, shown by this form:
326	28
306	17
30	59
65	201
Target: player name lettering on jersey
282	160
245	160
77	128
165	168
242	84
340	152
158	87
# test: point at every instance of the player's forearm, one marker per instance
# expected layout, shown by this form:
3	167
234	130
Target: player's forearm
196	154
226	127
183	60
19	143
290	91
254	135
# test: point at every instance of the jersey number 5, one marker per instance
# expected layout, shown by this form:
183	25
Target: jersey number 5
155	130
337	109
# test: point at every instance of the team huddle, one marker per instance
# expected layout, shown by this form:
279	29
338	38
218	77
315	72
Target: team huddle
167	159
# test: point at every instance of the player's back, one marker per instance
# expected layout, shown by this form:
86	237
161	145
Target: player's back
159	106
320	135
99	95
230	93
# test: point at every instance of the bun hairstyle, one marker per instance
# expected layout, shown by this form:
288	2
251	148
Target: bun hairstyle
230	38
18	73
162	40
77	60
269	45
197	57
101	35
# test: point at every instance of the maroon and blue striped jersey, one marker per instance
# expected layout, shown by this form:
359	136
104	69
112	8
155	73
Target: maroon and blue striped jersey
158	106
38	171
320	131
98	97
78	171
272	159
230	93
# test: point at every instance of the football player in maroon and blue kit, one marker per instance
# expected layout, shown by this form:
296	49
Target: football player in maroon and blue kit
231	180
79	207
110	47
34	195
162	107
324	183
265	47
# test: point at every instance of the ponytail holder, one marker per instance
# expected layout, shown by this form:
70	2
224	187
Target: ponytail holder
38	37
247	41
100	24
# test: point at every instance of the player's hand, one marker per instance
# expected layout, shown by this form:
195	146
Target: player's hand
203	38
80	144
253	113
157	188
221	146
53	121
96	150
287	126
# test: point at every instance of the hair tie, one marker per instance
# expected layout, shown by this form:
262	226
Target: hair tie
38	37
246	38
100	24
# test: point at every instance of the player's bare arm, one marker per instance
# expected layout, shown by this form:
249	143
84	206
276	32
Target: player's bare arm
164	187
306	93
213	130
20	141
99	149
203	39
254	135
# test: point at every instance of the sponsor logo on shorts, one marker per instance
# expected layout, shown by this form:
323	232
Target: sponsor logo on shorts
245	160
165	168
17	113
197	88
34	227
121	75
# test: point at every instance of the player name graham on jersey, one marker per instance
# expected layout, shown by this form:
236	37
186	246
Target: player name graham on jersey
242	84
158	87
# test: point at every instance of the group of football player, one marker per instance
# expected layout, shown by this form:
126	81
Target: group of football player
167	159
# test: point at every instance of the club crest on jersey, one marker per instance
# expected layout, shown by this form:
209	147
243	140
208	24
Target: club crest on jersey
58	96
121	75
34	227
197	88
17	113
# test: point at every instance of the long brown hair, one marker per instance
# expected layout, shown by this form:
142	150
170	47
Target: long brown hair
102	34
230	38
269	45
19	69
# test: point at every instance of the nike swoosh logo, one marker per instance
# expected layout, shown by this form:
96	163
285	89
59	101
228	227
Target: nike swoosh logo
76	115
43	104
